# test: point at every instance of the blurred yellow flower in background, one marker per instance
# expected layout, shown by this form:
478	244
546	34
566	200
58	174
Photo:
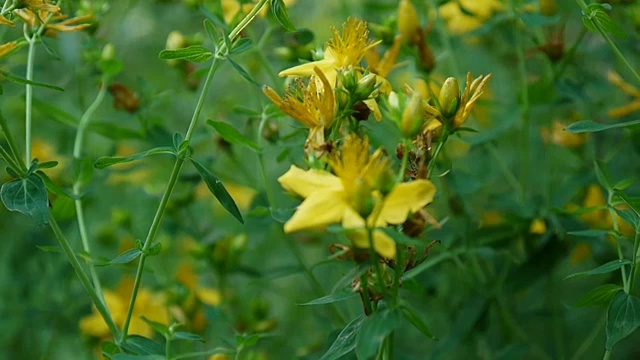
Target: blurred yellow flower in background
631	107
559	136
476	12
149	304
45	151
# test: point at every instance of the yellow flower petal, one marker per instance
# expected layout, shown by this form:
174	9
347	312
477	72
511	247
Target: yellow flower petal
406	198
318	209
307	183
209	296
384	245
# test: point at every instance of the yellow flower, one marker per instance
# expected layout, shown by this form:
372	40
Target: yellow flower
472	92
361	188
313	106
538	227
34	16
460	22
342	51
148	304
559	136
628	89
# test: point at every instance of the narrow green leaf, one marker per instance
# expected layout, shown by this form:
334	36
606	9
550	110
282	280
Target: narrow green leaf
28	196
218	190
373	331
411	316
158	327
49	249
624	184
22	81
55	113
232	136
588	126
591	233
182	335
279	10
140	345
211	31
107	161
606	268
194	53
623	317
627	201
600	296
242	72
630	217
108	348
346	340
51	186
241	45
47	164
124	258
602	174
344	294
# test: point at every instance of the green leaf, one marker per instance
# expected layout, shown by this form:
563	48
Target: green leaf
588	126
49	249
51	186
28	196
124	258
346	340
55	113
279	10
606	268
140	345
111	67
194	53
161	329
630	217
183	335
21	81
211	31
591	233
232	136
624	184
373	331
241	45
242	72
602	174
623	317
344	294
123	356
600	296
218	190
411	316
627	201
107	161
108	348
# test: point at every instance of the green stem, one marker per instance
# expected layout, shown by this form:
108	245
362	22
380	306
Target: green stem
405	158
375	259
263	171
607	355
173	178
84	279
364	295
434	158
614	222
634	262
4	154
15	151
29	99
524	107
569	55
77	185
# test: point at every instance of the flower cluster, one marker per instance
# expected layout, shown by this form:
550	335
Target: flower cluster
348	183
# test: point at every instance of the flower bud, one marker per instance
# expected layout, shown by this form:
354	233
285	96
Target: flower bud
366	85
408	24
108	53
349	80
175	40
412	116
449	97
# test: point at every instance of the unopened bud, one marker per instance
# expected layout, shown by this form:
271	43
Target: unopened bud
408	24
175	40
449	97
349	80
412	116
108	53
366	85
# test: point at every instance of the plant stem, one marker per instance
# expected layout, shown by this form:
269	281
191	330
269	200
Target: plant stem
614	222
406	144
634	262
77	185
84	279
15	151
29	99
434	158
173	178
524	106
